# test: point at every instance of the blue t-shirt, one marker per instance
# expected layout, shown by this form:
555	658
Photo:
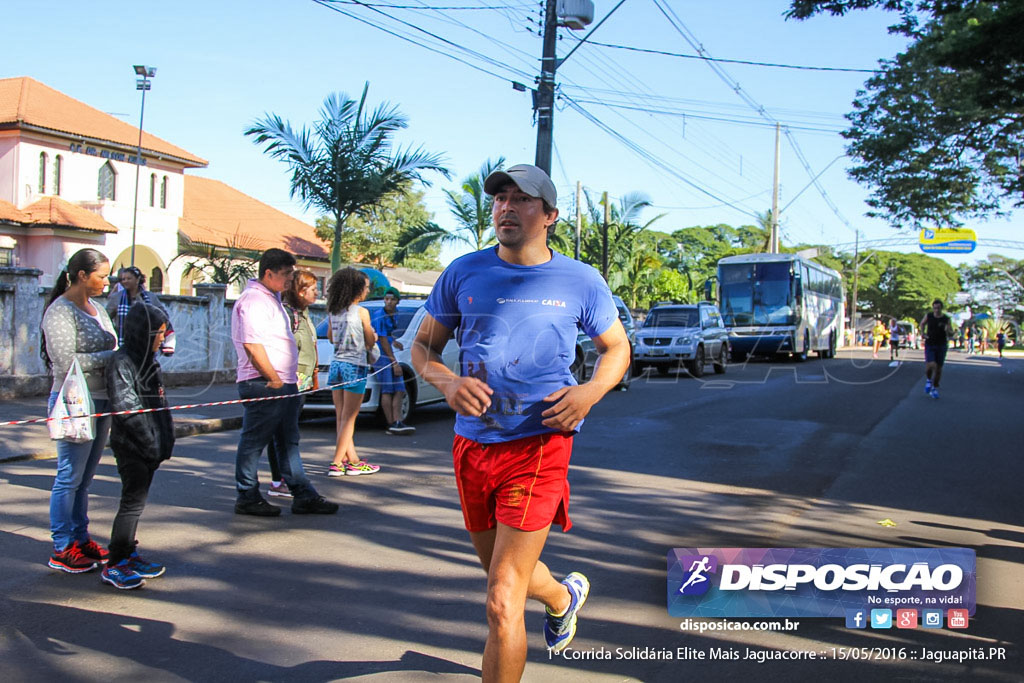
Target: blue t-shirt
516	327
384	325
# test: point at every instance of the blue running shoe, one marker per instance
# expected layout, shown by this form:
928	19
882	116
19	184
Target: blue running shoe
927	387
934	393
122	576
559	631
147	570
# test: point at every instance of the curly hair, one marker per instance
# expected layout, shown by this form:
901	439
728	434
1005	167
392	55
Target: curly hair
345	287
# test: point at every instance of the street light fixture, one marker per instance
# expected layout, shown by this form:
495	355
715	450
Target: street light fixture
142	83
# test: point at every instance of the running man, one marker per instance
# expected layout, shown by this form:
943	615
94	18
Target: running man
894	340
516	308
936	328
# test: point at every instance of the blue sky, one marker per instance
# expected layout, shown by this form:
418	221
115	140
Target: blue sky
223	64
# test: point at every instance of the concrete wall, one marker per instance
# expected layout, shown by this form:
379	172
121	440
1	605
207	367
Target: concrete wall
202	326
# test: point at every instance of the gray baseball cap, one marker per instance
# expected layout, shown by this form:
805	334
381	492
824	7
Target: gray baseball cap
530	179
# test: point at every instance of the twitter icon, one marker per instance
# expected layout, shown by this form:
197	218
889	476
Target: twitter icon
881	618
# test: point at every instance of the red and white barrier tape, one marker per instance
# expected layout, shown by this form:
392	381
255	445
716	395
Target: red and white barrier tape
232	402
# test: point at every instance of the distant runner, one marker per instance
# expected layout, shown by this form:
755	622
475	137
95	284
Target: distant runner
894	340
936	328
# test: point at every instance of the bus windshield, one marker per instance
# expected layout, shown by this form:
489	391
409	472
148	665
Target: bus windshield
756	294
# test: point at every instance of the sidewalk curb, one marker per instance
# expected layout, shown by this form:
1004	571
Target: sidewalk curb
182	428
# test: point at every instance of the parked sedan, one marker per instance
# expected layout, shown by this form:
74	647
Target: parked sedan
418	391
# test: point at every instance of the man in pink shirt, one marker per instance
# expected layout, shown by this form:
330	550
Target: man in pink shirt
267	366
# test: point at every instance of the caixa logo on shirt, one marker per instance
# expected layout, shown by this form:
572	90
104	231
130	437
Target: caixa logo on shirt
809	582
553	302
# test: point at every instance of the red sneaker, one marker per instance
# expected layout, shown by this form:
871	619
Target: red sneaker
94	551
72	561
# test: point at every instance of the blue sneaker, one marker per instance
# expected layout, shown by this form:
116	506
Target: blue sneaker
147	570
927	387
122	576
934	393
559	631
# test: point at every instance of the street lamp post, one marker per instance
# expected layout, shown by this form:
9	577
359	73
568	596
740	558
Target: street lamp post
142	83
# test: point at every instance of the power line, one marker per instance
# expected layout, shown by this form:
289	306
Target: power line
446	8
330	4
689	37
734	61
690	115
651	158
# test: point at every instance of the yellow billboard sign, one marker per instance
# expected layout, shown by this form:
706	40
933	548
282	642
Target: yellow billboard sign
948	241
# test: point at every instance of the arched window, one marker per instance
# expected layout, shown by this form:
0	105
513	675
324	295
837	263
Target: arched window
156	280
152	189
42	173
58	170
107	188
163	193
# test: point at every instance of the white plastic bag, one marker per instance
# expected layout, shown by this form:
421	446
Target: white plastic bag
69	419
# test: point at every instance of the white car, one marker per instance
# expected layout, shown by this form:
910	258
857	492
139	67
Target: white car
418	391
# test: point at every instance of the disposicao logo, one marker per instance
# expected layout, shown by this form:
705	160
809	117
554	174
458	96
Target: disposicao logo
817	582
697	581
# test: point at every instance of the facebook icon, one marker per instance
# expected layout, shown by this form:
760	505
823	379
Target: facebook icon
856	618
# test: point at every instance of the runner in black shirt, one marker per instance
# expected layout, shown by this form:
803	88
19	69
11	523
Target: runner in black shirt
936	328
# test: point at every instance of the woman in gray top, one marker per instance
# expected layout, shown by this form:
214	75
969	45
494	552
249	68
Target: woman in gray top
76	326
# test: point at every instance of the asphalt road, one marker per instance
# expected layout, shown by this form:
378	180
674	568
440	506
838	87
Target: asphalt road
767	455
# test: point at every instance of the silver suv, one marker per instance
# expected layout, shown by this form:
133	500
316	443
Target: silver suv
682	334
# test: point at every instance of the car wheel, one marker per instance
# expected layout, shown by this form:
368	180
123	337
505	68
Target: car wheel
696	366
408	406
623	384
719	365
578	369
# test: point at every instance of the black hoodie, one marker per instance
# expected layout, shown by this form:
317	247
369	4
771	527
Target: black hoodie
134	383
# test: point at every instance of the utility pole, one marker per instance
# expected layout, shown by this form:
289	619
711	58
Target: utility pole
774	249
604	237
856	269
857	263
579	219
544	105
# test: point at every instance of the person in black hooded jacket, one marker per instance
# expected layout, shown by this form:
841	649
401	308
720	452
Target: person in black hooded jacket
140	441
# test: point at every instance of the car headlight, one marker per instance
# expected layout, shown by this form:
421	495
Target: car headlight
683	340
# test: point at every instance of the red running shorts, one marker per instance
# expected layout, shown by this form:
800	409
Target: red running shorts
522	484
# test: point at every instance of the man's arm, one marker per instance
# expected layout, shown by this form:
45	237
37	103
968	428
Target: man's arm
573	403
467	396
258	357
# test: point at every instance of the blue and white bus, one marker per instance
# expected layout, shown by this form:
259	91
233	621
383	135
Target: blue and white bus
780	304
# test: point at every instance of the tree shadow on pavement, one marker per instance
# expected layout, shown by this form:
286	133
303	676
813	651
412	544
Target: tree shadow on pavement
62	630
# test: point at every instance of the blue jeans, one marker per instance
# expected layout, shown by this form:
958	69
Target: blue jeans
76	465
264	422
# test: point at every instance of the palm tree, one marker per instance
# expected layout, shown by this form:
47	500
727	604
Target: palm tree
345	163
471	208
233	263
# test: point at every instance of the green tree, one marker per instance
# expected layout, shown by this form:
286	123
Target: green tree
671	285
904	285
623	227
937	133
471	208
372	238
996	282
346	163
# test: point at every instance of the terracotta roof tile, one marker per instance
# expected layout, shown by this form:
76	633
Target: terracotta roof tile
217	214
9	212
25	101
57	212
